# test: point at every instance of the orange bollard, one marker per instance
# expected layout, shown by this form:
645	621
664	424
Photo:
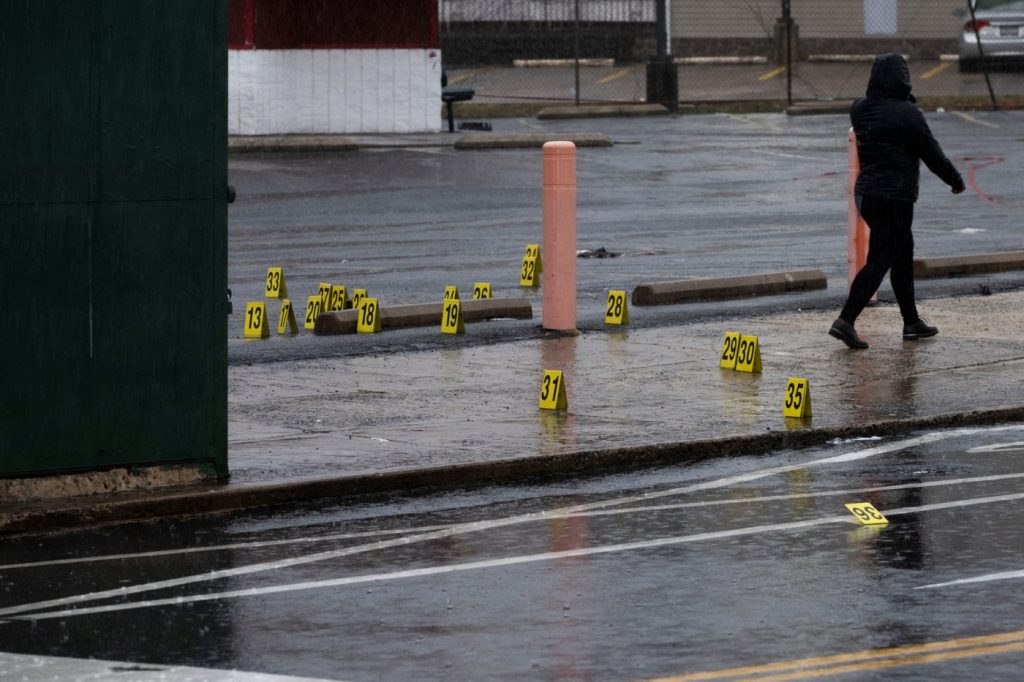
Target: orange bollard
858	232
559	236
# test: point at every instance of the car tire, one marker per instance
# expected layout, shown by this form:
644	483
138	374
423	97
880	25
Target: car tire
968	65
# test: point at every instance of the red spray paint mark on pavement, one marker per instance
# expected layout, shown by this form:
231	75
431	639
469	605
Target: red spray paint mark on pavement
976	165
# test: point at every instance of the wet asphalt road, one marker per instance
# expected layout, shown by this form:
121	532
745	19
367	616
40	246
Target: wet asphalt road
677	197
744	561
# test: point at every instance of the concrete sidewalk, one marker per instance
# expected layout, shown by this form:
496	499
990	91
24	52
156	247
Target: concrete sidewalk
464	416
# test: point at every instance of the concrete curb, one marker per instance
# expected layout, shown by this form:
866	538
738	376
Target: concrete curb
152	505
982	263
425	315
474	141
602	111
291	143
816	108
685	291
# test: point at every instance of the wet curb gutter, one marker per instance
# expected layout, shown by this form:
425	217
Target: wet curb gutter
146	506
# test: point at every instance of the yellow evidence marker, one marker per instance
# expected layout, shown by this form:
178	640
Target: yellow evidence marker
368	320
287	320
339	298
730	349
798	398
451	317
313	309
256	320
481	290
275	283
357	296
552	391
618	310
451	293
325	296
528	274
867	514
533	250
748	355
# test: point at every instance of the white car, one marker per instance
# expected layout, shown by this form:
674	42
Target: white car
1000	25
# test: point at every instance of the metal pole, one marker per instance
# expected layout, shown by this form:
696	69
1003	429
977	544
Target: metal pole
788	18
576	48
981	54
662	19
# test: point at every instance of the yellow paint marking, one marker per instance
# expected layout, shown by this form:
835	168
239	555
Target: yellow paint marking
967	117
469	74
617	75
866	660
930	73
772	74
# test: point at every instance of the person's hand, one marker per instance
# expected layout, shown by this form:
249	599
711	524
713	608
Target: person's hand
959	187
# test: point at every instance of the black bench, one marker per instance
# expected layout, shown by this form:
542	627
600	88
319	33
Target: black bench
452	95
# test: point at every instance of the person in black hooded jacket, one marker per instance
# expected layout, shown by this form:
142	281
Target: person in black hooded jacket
892	140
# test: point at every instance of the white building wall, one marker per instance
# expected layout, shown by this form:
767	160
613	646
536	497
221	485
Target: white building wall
274	92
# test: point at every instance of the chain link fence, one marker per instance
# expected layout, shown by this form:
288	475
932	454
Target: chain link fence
727	51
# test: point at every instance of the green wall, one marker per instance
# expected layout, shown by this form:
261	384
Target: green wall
113	234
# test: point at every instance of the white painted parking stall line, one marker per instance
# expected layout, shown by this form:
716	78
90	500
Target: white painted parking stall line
125	591
991	577
514	560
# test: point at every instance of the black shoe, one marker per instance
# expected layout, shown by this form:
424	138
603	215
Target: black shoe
844	331
918	330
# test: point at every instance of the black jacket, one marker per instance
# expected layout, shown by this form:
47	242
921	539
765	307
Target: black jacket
893	137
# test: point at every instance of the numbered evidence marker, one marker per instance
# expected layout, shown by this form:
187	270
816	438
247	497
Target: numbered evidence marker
338	299
324	292
730	349
748	355
528	273
481	290
256	320
798	398
867	514
287	320
617	311
357	296
275	283
451	293
313	308
451	317
533	250
552	391
368	320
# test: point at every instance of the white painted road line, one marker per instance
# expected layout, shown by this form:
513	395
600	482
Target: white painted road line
217	548
515	560
422	529
991	577
126	590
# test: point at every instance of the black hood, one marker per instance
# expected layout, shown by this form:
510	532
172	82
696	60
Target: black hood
890	78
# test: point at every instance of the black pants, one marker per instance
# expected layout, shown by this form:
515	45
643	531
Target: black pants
890	248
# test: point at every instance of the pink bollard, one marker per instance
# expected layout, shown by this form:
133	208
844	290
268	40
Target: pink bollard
559	252
857	232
